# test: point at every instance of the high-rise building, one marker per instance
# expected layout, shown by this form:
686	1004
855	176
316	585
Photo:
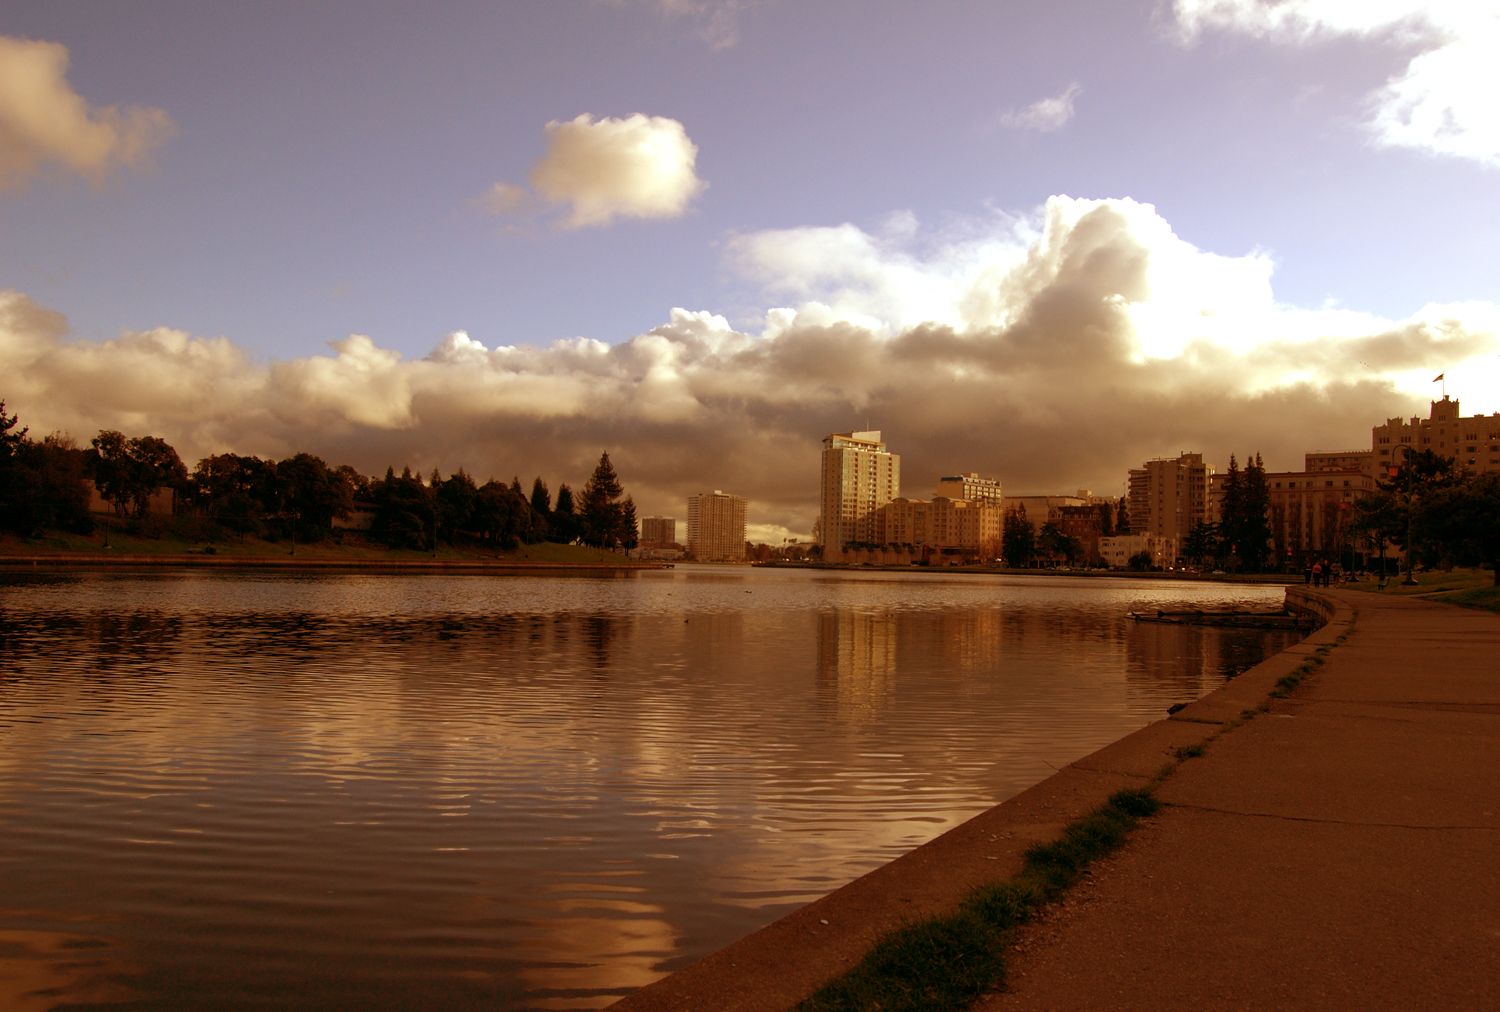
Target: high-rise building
658	531
1473	443
859	476
1169	495
716	526
971	487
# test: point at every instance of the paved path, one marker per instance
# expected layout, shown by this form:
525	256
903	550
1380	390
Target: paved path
1341	852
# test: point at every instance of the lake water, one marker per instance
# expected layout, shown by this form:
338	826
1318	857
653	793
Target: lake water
237	791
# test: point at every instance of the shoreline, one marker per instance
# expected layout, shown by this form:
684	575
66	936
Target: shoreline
776	967
80	560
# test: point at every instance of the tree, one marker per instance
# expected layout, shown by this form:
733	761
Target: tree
127	472
1421	474
306	488
1122	521
541	500
1231	509
1202	542
1254	534
455	503
628	530
1460	521
42	485
404	511
1379	518
1017	539
10	441
1106	520
1054	544
503	514
563	524
600	509
1141	562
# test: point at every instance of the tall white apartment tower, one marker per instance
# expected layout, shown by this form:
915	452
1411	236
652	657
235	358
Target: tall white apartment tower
859	476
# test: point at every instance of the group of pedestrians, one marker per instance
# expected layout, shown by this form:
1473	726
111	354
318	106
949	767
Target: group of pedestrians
1319	573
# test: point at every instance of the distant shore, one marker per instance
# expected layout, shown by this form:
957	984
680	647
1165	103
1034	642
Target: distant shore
122	551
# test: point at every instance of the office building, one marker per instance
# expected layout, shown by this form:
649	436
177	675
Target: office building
716	527
859	476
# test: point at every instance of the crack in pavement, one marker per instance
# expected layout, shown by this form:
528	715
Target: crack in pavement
1303	818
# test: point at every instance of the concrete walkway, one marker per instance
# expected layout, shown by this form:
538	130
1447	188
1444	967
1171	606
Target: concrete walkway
1341	852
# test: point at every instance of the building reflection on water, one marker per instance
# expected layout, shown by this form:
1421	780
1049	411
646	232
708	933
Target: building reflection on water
511	794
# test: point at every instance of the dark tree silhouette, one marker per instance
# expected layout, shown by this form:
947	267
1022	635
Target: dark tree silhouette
600	510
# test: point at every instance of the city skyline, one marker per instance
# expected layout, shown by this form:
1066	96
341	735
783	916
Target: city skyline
701	236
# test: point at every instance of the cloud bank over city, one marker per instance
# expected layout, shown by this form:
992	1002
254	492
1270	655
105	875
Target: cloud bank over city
1052	350
48	128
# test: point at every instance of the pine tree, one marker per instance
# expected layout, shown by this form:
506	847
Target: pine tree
1232	510
541	500
1255	504
600	506
563	523
1122	521
627	532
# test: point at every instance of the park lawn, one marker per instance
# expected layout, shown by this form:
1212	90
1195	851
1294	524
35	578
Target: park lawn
354	549
1471	588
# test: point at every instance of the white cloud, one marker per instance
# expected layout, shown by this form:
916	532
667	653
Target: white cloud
45	124
1446	101
1046	114
718	21
636	167
1054	351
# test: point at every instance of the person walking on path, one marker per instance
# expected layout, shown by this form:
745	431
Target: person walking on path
1317	573
1307	572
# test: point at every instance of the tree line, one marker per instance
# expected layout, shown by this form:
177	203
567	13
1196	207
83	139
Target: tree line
43	486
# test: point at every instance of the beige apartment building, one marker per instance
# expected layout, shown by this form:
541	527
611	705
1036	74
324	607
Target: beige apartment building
1473	442
971	487
716	526
859	476
945	527
1169	495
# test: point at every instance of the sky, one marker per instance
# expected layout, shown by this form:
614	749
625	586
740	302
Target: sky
1041	241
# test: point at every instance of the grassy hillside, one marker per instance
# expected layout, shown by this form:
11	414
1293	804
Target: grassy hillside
168	538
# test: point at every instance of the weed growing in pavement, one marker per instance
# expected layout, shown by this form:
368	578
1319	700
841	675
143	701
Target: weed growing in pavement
945	963
1189	751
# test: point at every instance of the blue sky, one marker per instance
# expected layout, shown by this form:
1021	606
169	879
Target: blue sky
326	165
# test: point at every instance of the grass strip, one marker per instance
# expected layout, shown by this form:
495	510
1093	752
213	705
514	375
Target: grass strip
945	963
